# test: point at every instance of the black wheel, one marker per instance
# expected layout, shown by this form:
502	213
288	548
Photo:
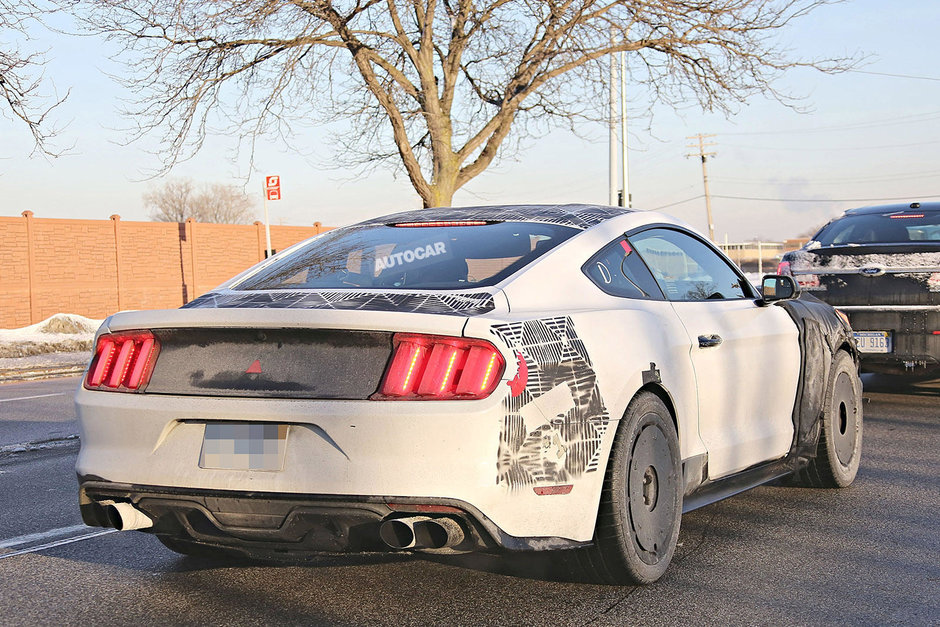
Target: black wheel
641	505
840	439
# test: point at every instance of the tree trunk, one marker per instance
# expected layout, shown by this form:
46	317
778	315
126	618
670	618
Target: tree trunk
441	196
444	184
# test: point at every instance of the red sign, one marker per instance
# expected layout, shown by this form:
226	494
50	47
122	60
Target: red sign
272	187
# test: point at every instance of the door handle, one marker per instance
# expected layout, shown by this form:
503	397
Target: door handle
707	341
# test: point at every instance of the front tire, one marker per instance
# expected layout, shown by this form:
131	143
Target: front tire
840	440
641	504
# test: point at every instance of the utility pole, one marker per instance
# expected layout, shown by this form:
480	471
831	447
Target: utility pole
702	144
612	136
625	199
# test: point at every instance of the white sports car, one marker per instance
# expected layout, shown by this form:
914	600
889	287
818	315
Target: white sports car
517	378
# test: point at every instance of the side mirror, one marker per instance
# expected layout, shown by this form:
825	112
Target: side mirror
778	287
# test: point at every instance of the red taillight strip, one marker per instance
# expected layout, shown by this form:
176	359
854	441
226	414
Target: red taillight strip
102	364
431	367
143	363
480	371
123	362
407	366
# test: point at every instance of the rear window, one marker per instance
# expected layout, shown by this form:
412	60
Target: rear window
411	257
887	228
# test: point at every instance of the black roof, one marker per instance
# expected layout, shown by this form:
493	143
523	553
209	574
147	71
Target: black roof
578	216
914	206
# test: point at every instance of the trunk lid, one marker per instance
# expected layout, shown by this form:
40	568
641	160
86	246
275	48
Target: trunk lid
322	354
884	274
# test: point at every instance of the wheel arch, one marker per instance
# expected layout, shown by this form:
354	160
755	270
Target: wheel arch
664	396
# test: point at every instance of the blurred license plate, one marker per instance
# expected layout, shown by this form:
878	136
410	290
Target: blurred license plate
873	341
243	446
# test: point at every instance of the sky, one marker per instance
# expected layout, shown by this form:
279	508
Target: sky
866	137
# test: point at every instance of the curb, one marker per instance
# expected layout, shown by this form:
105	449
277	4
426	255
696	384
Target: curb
34	374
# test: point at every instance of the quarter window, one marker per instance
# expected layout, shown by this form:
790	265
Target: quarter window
686	268
617	270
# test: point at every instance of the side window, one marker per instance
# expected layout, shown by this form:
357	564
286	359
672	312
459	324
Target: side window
687	269
617	270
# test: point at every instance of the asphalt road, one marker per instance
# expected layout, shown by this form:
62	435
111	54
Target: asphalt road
869	554
33	412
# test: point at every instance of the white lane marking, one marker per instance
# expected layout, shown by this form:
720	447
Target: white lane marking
50	545
26	398
42	535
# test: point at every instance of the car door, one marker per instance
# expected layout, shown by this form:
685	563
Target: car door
746	357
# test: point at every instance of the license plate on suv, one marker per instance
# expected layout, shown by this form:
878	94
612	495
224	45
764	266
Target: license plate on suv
873	341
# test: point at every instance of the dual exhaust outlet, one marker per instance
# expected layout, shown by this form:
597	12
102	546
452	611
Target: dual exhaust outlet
413	532
421	532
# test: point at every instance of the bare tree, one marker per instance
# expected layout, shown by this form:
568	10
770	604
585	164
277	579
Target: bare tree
177	200
21	75
439	87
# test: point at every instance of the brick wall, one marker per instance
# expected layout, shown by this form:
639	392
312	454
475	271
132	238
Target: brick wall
96	267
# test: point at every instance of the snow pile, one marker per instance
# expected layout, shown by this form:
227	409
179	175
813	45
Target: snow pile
61	333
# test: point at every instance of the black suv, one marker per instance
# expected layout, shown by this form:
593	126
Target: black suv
881	267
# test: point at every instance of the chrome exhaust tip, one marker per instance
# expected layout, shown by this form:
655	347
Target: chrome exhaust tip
421	532
126	517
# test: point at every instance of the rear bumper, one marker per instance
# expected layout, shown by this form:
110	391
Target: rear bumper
268	524
353	451
915	346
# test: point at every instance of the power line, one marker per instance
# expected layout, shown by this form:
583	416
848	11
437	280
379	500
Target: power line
803	149
912	196
906	119
833	181
920	78
678	202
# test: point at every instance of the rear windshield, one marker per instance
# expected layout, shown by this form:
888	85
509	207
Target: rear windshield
888	228
409	257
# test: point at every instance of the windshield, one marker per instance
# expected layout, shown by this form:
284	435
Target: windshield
887	228
411	257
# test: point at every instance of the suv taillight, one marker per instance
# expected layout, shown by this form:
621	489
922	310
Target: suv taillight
783	268
433	367
123	362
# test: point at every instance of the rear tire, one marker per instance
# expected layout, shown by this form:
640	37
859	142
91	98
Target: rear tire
840	440
641	504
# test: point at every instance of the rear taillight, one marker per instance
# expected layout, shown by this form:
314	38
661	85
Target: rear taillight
808	281
123	362
783	268
933	282
433	367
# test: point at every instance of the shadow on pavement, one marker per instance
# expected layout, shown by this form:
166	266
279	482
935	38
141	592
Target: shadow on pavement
900	384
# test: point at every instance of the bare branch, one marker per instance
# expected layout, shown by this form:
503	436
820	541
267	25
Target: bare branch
436	88
21	76
177	200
